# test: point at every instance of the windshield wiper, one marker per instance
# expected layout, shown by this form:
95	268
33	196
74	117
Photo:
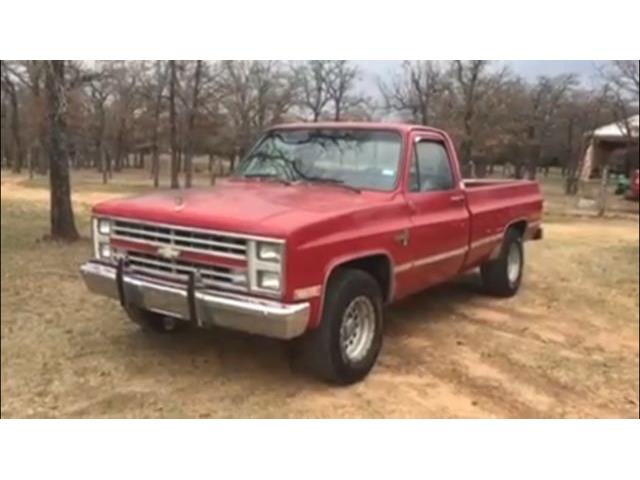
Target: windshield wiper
333	181
267	176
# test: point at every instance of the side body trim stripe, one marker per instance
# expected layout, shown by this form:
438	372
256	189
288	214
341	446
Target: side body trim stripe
446	255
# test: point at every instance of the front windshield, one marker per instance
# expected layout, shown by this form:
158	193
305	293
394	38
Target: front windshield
362	159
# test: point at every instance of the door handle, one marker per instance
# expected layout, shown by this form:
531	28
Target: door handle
457	198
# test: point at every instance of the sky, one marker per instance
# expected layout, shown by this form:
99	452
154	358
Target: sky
529	69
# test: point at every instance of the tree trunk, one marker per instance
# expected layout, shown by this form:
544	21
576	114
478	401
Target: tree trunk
518	171
465	157
34	156
62	221
172	119
533	153
155	167
18	157
155	156
480	170
103	163
118	150
232	162
212	173
572	173
109	161
191	124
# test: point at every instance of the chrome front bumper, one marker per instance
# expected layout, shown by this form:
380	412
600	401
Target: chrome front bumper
204	307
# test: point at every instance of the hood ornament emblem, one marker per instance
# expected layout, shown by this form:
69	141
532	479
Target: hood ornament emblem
168	252
179	203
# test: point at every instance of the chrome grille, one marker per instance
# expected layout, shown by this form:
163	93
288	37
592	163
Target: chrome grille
185	238
178	270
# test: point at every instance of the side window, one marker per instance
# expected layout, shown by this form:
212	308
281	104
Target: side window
430	169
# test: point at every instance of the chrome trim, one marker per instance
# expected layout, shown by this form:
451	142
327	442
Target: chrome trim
230	246
440	257
403	267
240	236
431	259
96	237
213	253
255	264
210	275
448	254
248	254
240	312
487	240
180	238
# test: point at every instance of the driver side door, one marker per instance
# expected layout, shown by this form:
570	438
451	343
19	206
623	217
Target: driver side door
440	223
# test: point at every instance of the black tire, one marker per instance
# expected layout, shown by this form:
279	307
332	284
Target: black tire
156	322
495	273
321	350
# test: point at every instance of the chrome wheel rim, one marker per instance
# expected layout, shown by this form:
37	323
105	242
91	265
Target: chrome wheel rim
514	263
357	329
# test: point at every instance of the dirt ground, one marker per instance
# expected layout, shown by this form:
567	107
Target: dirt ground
565	346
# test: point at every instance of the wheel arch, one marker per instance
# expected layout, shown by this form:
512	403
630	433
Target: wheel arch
519	226
378	263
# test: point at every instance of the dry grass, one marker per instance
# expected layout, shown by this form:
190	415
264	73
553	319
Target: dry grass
566	346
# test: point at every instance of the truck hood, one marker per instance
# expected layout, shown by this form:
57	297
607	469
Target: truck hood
252	207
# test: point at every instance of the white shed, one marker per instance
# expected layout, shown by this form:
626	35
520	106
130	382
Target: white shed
604	140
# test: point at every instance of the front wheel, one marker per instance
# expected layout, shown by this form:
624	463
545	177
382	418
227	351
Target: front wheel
346	344
502	277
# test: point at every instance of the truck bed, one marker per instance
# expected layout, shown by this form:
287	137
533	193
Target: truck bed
494	204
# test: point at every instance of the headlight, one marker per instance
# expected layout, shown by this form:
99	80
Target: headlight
269	280
104	226
105	250
270	252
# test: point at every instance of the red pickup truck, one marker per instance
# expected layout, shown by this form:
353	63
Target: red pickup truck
319	226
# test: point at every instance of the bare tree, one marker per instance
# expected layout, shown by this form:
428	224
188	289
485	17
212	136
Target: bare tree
583	111
158	86
62	221
99	92
9	87
173	80
469	77
312	76
253	95
546	96
193	110
415	90
341	83
29	75
625	75
125	82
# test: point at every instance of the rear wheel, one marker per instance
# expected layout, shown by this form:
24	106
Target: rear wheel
502	277
156	322
346	344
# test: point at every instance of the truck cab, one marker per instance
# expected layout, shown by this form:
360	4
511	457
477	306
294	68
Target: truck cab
319	227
